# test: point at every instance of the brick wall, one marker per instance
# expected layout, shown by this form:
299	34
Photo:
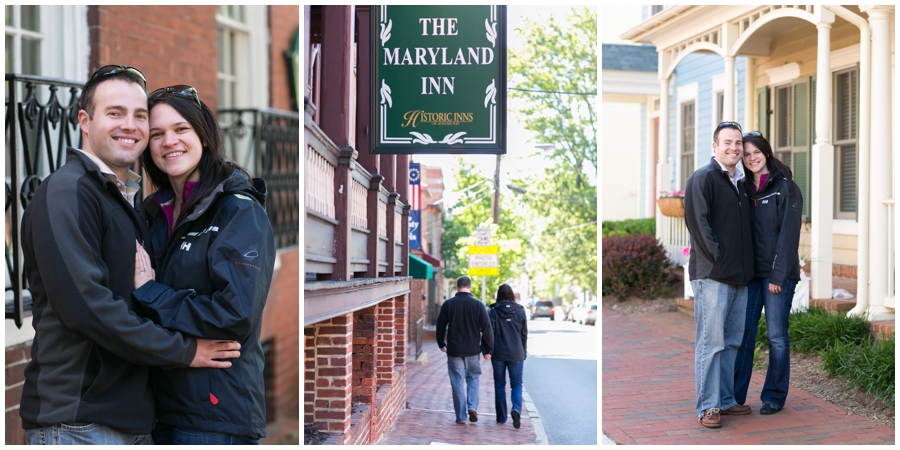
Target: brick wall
17	357
356	391
416	307
281	325
284	22
169	44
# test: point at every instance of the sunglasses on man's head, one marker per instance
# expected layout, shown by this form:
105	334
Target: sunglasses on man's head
181	90
729	124
114	69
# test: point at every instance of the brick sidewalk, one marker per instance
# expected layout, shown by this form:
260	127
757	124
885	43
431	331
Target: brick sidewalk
429	416
649	395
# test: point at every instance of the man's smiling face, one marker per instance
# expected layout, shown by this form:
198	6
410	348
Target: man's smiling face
117	133
728	148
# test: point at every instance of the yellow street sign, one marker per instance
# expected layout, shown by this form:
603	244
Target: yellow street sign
484	271
484	249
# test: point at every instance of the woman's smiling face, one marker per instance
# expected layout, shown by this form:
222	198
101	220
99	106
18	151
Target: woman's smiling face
754	159
174	145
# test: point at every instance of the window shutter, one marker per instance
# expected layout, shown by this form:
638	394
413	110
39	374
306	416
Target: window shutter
801	154
762	95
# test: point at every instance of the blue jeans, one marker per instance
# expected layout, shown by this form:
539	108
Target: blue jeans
778	310
515	369
169	435
464	397
83	434
719	312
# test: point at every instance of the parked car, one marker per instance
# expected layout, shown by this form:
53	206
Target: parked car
586	314
543	308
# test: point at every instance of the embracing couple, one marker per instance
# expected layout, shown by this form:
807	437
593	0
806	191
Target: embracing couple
147	315
745	233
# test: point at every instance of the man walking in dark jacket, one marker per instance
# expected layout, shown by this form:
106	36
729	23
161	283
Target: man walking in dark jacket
88	379
717	215
464	321
510	349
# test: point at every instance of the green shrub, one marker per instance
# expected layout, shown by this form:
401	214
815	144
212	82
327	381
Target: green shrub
869	366
629	227
817	329
634	266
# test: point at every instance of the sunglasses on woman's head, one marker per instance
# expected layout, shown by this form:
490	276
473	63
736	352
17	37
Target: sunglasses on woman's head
752	133
181	90
114	69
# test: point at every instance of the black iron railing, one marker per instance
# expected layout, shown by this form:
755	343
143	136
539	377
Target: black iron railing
42	120
419	325
267	142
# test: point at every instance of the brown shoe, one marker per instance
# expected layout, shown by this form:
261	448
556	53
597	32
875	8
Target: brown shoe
737	410
710	418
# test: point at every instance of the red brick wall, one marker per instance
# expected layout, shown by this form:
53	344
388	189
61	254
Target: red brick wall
415	305
364	356
284	22
169	44
17	357
384	342
333	374
281	325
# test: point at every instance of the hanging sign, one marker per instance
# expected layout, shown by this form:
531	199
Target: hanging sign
439	79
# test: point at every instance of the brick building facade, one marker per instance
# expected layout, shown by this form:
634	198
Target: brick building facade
181	45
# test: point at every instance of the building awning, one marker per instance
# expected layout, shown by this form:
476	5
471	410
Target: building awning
419	269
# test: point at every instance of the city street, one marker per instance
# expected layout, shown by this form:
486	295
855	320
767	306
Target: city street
561	378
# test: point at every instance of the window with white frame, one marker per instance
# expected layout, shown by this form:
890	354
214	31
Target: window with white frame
243	56
845	150
23	39
688	130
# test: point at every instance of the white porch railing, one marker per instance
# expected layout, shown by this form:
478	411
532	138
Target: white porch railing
673	235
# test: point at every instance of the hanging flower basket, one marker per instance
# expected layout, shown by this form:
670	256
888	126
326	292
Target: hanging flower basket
671	206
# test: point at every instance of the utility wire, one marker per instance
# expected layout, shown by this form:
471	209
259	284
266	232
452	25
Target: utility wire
553	92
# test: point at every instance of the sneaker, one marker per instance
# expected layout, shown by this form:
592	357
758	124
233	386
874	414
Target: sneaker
768	408
517	422
710	418
737	410
473	416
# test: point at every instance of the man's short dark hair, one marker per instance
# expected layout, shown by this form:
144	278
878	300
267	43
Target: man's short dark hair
87	92
463	282
724	125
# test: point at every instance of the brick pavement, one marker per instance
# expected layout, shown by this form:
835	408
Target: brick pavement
649	395
429	416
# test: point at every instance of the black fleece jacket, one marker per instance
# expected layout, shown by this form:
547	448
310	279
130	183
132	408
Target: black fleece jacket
776	217
463	320
717	215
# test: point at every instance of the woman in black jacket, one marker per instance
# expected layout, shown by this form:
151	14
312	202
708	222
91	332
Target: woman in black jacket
776	205
510	327
213	252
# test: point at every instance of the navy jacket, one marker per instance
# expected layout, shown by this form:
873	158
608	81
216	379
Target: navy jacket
463	320
510	328
92	353
717	215
776	216
213	277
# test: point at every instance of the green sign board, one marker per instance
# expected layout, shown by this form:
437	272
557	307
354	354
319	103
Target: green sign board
439	79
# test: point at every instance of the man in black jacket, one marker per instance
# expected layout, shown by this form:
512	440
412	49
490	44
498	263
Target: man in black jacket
87	381
717	215
464	321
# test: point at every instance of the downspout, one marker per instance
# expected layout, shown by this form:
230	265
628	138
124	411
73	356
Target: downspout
865	91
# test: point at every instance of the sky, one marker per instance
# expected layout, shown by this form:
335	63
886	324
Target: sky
520	142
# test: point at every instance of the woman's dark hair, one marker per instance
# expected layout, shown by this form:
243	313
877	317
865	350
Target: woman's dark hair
505	293
773	164
213	167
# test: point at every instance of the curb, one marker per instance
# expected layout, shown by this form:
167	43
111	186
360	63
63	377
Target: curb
540	436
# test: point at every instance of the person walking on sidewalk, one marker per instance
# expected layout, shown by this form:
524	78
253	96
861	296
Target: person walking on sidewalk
717	215
464	321
510	328
777	205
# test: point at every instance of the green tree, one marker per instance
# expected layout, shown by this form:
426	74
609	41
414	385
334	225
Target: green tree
473	210
555	76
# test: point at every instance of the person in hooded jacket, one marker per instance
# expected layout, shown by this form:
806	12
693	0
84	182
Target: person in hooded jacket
207	274
510	326
776	205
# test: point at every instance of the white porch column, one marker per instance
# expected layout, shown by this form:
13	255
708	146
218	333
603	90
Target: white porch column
663	171
881	161
822	206
728	94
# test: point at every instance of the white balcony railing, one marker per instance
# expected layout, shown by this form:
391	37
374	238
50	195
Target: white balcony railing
673	235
